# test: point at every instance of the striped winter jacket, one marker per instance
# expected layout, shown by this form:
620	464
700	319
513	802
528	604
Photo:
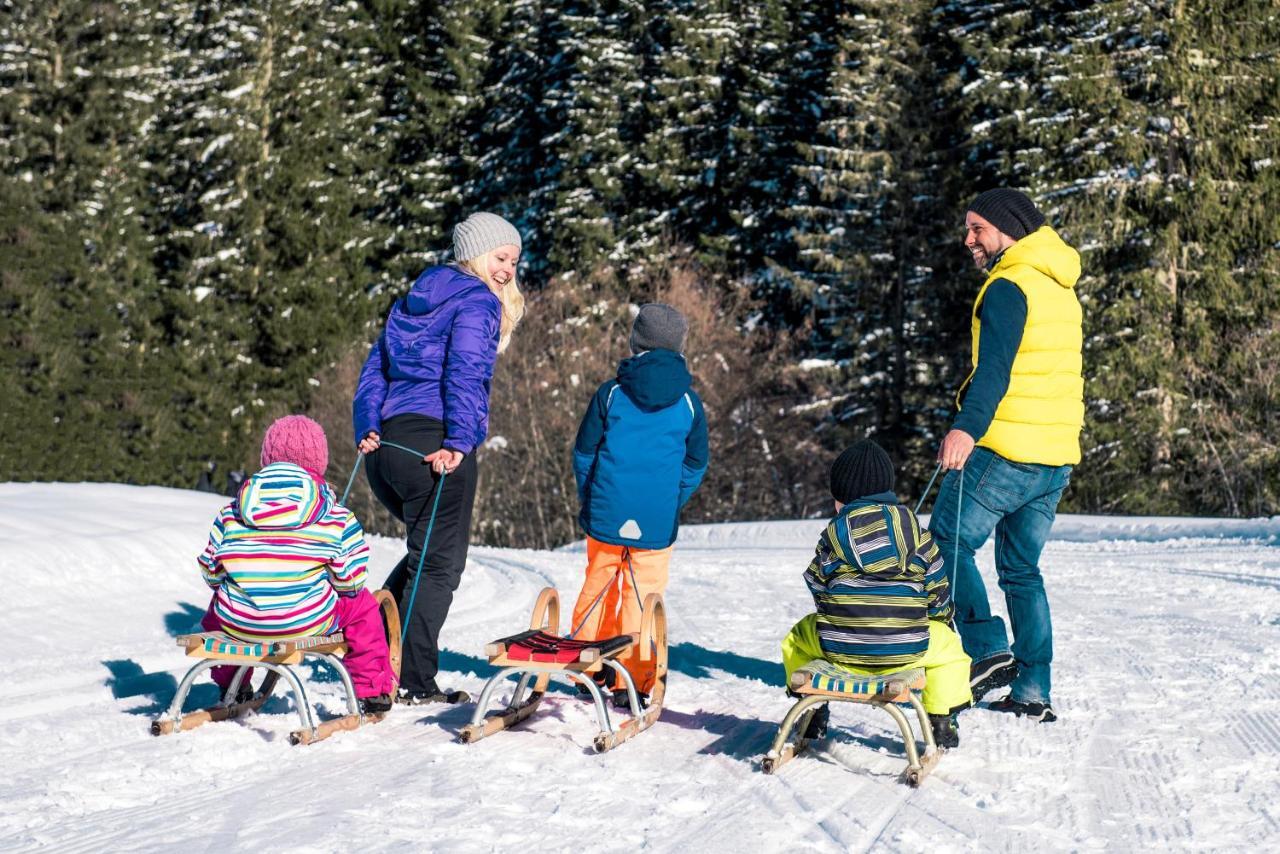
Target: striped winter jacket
279	555
877	579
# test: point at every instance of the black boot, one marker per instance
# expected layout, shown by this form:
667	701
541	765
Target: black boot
374	705
1038	712
622	701
817	727
433	694
991	673
946	731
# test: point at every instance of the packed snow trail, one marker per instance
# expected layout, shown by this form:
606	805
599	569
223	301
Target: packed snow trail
1168	738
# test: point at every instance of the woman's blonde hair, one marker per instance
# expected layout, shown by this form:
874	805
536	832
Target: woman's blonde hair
510	297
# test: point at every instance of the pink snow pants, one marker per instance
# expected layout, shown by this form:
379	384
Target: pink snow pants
367	658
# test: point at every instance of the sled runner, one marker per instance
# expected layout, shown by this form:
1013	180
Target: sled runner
279	658
541	653
821	682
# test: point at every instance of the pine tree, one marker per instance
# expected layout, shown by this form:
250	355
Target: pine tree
76	107
269	165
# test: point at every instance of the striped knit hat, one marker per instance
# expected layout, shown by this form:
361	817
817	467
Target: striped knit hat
299	440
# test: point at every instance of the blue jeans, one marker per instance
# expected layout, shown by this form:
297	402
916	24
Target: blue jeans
1019	501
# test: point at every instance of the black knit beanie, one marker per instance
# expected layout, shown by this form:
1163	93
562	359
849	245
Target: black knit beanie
863	469
1010	211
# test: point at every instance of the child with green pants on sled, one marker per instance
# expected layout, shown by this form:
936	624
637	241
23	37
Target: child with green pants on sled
881	591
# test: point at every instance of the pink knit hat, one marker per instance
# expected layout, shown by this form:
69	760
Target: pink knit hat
299	440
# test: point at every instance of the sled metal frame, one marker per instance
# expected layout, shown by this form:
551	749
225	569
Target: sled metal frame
903	687
278	658
546	617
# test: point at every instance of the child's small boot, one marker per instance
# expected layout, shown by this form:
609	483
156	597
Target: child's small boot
622	700
946	730
381	704
817	727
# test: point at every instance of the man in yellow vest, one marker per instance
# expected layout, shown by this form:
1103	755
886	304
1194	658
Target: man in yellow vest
1012	444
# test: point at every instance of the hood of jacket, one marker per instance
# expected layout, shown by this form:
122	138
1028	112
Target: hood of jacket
654	379
1045	251
435	286
904	533
282	497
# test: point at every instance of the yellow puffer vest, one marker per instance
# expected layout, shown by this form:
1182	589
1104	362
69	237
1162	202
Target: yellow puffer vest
1040	417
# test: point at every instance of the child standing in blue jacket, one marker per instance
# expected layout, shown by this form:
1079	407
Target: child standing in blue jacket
640	454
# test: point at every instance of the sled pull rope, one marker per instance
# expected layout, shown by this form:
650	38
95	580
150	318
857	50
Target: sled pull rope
626	554
635	588
422	556
955	547
927	489
594	603
360	458
355	468
431	523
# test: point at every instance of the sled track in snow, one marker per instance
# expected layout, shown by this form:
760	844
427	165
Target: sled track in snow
1168	697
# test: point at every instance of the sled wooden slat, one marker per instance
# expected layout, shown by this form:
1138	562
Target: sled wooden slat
346	723
199	717
226	648
590	659
822	677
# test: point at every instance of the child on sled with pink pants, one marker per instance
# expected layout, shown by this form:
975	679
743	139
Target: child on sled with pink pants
286	560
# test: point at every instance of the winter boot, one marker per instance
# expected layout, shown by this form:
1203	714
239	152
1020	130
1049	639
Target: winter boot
946	731
1038	712
603	677
991	673
817	727
433	694
622	701
378	705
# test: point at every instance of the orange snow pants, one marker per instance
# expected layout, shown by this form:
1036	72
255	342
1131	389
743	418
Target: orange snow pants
609	577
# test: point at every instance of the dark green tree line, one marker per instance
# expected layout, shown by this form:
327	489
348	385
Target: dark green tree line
208	208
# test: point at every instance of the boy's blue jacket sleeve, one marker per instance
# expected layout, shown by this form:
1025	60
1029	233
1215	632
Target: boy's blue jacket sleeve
697	454
590	434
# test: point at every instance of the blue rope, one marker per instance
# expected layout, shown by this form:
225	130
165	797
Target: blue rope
355	468
925	494
401	447
955	547
431	523
653	645
599	596
422	556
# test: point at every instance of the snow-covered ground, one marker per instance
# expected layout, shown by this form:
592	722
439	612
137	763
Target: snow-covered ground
1169	701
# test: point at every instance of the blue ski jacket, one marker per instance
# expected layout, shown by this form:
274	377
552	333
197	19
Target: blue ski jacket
641	452
435	358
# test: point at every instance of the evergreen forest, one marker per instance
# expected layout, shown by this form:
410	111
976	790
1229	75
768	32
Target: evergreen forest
207	208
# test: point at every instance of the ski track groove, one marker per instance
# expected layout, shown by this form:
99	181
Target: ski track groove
1167	737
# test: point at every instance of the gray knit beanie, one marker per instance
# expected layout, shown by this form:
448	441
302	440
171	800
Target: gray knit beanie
658	327
1009	210
481	233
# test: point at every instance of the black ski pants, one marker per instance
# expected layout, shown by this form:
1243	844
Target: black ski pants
406	486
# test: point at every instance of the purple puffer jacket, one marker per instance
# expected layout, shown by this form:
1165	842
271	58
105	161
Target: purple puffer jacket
434	358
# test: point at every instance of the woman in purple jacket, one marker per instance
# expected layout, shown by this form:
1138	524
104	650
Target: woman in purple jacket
425	386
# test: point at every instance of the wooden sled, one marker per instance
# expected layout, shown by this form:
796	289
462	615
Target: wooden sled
278	658
541	653
820	682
